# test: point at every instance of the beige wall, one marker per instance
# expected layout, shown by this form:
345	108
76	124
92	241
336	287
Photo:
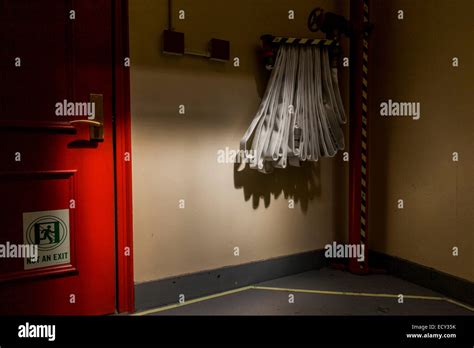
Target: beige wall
175	157
412	160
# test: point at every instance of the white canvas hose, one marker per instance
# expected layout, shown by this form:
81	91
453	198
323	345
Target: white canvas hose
300	116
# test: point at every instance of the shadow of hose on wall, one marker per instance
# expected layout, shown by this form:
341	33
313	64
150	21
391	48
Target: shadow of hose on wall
301	184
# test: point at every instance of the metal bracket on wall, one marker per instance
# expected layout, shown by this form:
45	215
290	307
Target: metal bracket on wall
271	43
173	43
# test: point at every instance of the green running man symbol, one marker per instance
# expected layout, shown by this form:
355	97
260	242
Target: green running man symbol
47	233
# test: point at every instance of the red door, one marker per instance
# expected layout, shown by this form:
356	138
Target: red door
56	177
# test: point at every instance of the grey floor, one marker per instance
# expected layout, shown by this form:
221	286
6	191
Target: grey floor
271	302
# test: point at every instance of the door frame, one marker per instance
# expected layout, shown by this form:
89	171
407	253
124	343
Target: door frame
123	167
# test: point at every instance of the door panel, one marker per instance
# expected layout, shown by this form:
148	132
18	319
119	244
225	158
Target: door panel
56	184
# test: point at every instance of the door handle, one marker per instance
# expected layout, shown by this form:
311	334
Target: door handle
96	127
90	122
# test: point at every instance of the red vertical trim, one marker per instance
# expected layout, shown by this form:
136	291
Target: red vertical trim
125	291
355	133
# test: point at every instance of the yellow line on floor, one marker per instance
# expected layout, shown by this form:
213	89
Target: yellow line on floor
307	291
345	293
200	299
460	304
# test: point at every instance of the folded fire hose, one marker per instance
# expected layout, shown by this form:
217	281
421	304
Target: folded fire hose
300	116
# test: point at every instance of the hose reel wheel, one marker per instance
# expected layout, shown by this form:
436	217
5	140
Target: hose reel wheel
315	19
